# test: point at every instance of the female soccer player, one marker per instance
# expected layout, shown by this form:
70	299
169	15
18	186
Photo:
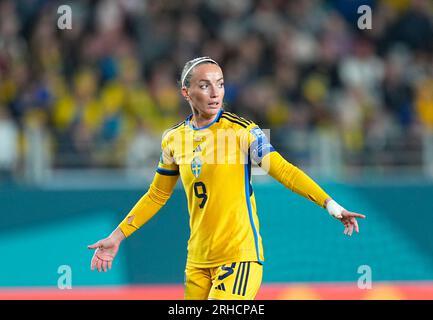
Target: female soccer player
225	254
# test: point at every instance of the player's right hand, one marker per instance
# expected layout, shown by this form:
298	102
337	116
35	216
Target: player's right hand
106	250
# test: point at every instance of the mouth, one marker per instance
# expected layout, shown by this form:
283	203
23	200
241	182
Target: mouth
213	105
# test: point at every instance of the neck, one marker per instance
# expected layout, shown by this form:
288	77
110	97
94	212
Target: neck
199	120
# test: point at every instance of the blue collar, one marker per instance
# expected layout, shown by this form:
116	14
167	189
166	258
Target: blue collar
217	118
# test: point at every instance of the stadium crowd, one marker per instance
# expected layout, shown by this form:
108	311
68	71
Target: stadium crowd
102	93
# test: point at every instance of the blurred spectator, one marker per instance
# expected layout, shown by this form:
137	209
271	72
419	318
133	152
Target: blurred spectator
76	119
414	27
9	146
397	93
142	150
364	69
37	151
424	102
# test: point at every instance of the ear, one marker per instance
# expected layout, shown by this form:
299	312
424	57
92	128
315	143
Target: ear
185	93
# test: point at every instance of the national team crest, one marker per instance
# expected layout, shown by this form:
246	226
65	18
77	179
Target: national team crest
196	165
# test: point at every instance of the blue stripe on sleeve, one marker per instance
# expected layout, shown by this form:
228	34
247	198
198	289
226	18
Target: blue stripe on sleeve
166	172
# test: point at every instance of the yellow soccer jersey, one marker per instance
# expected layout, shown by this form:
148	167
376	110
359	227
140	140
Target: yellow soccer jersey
215	170
214	163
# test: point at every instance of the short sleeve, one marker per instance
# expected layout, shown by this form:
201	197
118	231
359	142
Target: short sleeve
167	164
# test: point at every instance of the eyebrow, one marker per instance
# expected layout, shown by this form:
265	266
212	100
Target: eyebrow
222	78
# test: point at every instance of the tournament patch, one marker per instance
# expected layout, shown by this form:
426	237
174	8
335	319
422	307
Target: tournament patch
260	146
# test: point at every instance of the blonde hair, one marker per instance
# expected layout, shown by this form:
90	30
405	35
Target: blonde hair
186	72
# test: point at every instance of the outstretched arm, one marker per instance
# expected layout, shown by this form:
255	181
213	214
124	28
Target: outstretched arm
159	192
261	152
300	183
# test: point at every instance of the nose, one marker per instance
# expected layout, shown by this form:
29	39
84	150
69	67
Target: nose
214	91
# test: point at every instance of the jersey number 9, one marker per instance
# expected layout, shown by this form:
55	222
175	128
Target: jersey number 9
200	192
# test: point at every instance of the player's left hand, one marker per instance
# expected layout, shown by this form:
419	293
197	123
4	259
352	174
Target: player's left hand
349	220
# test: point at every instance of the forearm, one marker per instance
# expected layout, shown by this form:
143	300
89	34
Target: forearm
295	179
158	194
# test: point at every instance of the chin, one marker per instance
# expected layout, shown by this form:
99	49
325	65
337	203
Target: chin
212	111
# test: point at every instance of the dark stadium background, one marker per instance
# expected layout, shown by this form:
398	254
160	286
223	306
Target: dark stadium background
82	111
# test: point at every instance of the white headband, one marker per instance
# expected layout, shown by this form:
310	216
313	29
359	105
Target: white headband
193	65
